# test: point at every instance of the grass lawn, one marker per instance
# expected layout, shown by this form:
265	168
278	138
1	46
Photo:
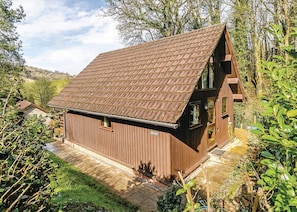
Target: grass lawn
76	191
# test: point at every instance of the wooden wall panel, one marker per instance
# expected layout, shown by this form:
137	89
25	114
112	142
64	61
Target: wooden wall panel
184	157
127	144
222	136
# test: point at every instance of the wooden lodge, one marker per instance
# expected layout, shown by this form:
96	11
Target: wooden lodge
159	106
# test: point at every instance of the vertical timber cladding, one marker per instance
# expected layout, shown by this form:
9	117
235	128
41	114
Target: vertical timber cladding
188	147
125	143
223	118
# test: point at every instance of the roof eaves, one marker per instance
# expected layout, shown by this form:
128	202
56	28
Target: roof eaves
144	121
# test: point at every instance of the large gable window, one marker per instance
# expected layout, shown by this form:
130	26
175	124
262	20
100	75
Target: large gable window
208	75
195	117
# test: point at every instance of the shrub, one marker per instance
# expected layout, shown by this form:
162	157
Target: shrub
170	201
25	168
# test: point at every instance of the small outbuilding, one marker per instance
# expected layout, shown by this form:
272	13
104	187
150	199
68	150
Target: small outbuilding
157	107
30	109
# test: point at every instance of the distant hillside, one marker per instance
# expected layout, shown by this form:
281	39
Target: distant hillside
32	73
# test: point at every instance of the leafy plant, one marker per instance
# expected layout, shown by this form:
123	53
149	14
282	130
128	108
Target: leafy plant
278	130
25	168
187	190
170	201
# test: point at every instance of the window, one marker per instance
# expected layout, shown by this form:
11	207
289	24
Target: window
224	106
106	122
195	119
207	77
211	110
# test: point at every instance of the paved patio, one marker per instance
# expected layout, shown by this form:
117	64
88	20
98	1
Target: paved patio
221	163
139	192
143	193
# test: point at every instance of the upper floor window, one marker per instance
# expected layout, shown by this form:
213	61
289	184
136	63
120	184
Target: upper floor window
208	76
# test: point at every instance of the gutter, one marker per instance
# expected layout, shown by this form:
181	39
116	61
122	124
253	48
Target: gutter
154	123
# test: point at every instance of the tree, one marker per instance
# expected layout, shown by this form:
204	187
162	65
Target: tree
146	20
42	91
254	42
24	167
11	62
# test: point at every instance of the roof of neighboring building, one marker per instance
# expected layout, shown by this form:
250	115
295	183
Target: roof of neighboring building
23	104
151	81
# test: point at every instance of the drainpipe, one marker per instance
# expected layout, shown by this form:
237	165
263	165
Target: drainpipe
64	126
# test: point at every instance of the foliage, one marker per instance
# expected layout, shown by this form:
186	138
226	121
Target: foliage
142	20
29	92
170	201
25	168
278	129
42	91
75	190
10	59
59	84
187	190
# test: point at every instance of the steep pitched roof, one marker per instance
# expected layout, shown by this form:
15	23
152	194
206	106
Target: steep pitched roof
151	81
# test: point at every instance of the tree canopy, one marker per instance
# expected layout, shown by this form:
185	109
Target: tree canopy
11	61
43	91
145	20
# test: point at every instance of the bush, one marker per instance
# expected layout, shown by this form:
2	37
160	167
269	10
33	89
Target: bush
278	131
25	168
170	201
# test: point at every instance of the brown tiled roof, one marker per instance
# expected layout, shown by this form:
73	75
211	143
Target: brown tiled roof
150	81
23	104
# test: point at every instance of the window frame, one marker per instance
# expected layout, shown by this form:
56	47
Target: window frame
224	108
106	124
208	76
193	105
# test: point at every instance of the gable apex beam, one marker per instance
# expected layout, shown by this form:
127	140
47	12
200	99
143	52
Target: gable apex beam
232	80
